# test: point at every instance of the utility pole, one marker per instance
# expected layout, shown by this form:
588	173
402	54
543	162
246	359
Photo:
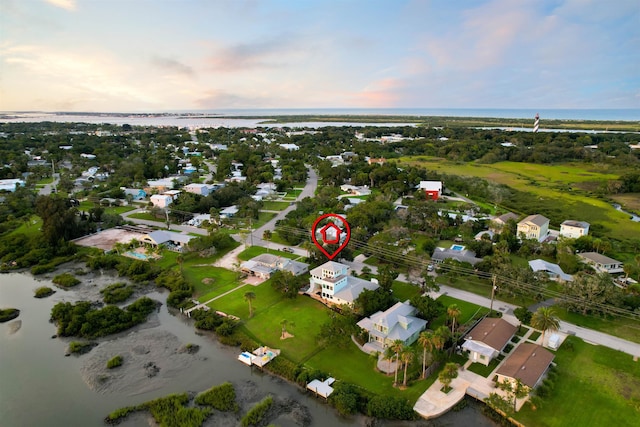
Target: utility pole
493	293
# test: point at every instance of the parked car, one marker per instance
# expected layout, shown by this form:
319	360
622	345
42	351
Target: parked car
287	250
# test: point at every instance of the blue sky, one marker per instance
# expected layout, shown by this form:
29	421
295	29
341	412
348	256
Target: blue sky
155	55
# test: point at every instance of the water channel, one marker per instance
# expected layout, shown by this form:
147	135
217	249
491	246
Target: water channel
39	386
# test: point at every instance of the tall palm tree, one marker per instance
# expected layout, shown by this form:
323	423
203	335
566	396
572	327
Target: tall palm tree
440	337
397	347
407	357
388	355
248	297
426	341
454	312
545	319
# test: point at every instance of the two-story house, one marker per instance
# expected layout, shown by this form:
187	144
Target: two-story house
574	229
533	227
334	285
396	323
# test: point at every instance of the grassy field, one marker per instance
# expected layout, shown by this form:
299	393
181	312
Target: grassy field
467	311
274	206
254	251
554	185
595	386
30	228
86	206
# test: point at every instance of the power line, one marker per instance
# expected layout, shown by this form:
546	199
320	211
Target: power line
421	263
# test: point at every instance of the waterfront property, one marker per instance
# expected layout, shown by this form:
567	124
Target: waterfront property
601	263
322	388
334	285
396	323
259	357
499	222
169	239
527	362
487	339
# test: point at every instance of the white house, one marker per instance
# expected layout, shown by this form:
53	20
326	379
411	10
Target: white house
534	227
334	285
574	229
552	270
161	200
487	339
601	263
264	265
172	240
161	183
289	147
229	212
396	323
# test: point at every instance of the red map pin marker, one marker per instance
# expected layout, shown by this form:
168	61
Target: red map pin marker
331	233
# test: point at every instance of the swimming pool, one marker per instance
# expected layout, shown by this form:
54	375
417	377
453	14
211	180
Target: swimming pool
457	247
137	255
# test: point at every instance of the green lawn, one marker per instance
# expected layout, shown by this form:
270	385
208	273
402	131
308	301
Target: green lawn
119	210
352	365
481	287
404	291
307	316
146	216
274	206
30	227
254	251
595	386
620	327
480	369
468	310
210	281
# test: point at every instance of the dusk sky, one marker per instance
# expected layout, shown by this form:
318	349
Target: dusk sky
159	55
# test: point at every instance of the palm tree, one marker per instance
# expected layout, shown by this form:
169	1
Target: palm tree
397	347
407	357
388	355
375	356
454	312
180	261
426	341
544	319
248	297
448	373
440	337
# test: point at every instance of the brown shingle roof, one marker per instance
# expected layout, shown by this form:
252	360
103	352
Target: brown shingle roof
493	332
527	363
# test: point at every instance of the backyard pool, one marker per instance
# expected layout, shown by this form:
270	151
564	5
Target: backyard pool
457	247
137	255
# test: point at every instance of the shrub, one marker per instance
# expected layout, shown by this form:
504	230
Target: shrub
348	398
390	408
256	414
115	362
41	269
65	280
222	398
8	314
283	367
523	315
118	292
81	347
43	292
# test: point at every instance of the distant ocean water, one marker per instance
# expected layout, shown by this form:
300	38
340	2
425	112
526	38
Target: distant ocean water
631	114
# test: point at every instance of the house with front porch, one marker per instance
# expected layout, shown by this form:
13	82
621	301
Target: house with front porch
333	284
602	263
396	323
487	339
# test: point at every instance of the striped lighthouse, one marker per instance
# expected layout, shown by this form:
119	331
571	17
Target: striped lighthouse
536	124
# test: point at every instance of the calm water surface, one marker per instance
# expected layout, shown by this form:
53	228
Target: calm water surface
41	387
